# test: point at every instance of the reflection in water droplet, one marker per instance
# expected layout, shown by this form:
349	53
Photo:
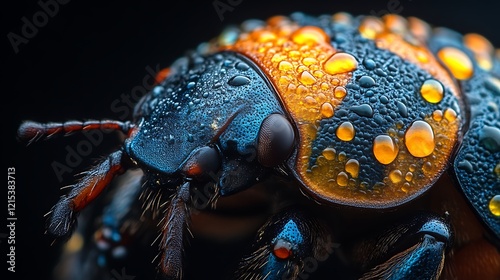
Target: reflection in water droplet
450	114
329	153
306	78
342	179
437	115
384	149
457	62
352	167
396	176
326	110
339	92
432	91
345	131
494	205
489	137
310	35
419	139
340	63
239	81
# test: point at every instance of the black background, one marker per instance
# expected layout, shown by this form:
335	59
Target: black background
88	54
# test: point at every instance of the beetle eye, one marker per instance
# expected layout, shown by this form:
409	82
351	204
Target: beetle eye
202	161
276	138
282	249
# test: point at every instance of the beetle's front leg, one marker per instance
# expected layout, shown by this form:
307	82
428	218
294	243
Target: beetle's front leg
414	249
292	244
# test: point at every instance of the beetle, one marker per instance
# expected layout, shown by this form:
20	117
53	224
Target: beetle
378	137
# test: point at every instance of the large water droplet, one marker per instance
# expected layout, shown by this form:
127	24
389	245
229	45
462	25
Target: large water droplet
239	80
432	91
329	153
494	205
326	110
384	149
489	137
419	139
340	63
396	176
457	62
352	167
345	131
364	110
342	179
310	35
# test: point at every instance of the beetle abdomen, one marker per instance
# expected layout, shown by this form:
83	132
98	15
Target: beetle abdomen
378	116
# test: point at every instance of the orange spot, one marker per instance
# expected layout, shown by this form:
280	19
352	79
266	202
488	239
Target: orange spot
160	76
282	253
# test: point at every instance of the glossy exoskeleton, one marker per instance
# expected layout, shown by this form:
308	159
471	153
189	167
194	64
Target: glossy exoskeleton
369	147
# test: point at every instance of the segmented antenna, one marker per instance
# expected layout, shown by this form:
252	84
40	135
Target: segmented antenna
33	131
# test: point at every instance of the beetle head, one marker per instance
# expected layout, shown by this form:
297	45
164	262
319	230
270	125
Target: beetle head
213	118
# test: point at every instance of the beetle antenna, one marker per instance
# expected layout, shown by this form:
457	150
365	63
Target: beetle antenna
32	131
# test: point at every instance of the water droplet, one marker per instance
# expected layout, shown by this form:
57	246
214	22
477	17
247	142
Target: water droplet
494	205
370	27
345	131
489	137
437	115
466	165
342	156
457	62
384	149
340	63
370	64
427	167
339	92
262	35
396	176
409	176
419	139
329	153
366	82
306	78
307	61
450	114
496	170
309	35
326	110
403	110
352	167
285	65
482	49
432	91
242	66
342	179
364	110
239	80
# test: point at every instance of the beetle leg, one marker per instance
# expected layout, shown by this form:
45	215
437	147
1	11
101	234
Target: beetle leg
290	245
174	230
101	251
64	213
414	249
